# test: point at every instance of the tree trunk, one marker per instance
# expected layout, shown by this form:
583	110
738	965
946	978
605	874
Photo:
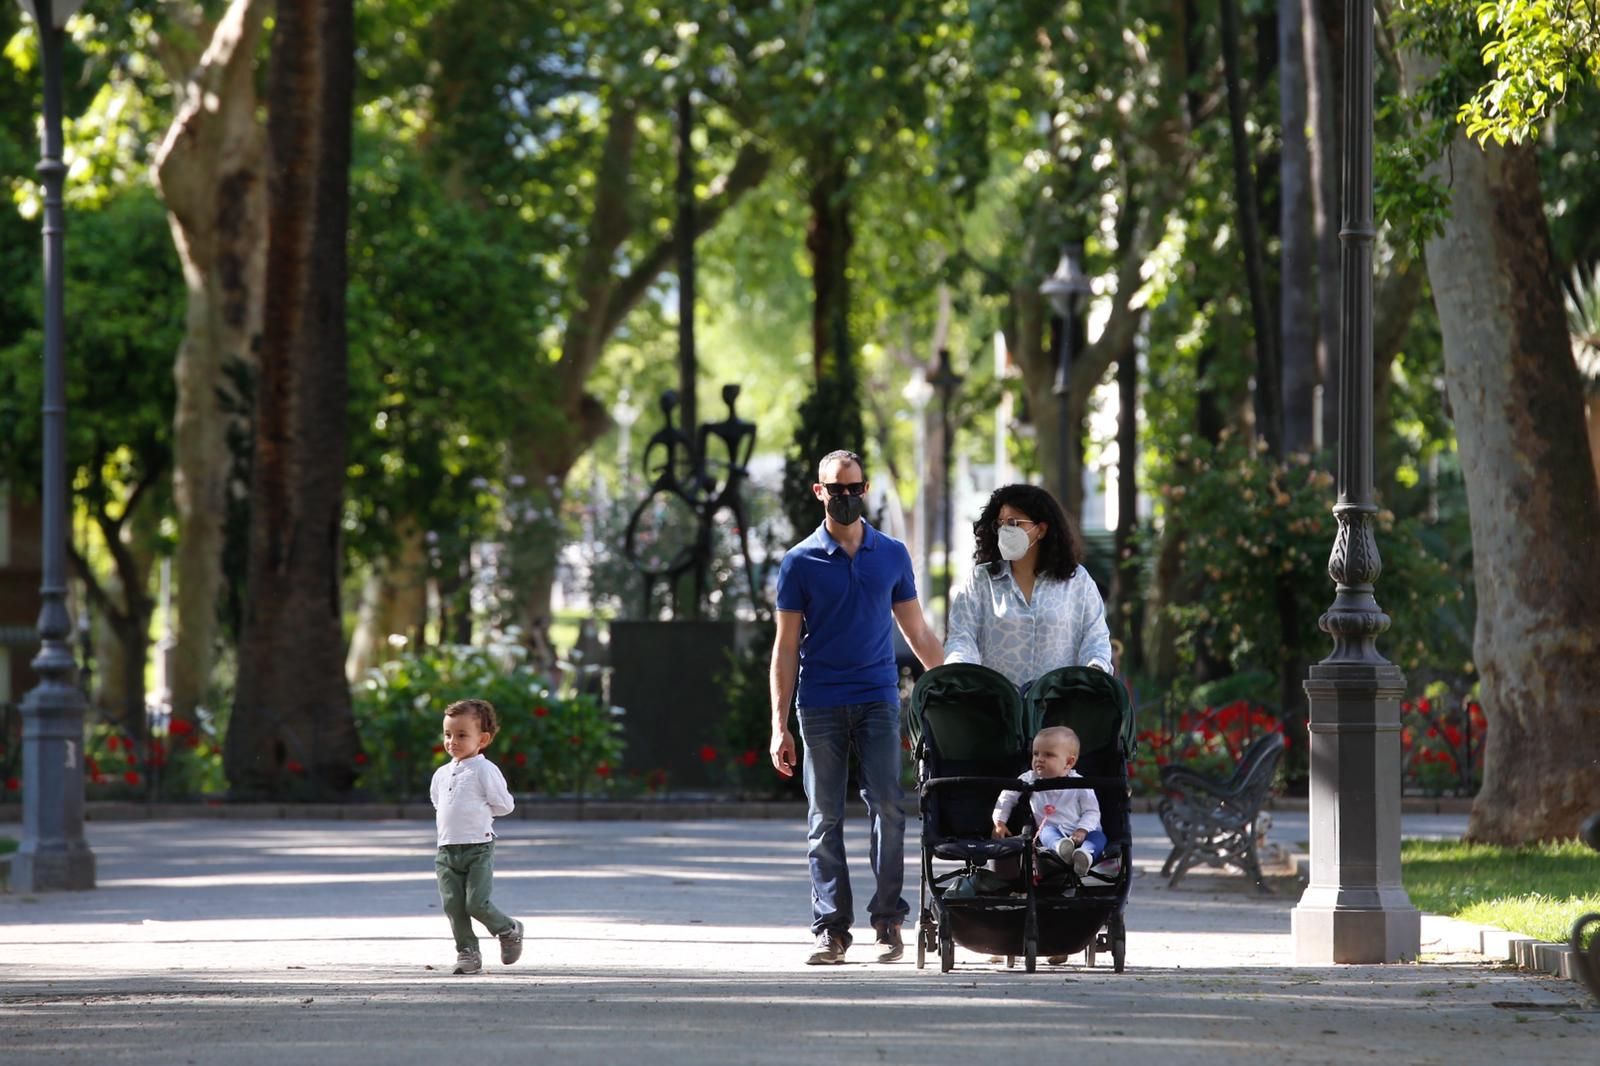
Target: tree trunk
292	720
1517	405
1297	292
1269	418
1593	409
209	169
394	601
828	239
1324	48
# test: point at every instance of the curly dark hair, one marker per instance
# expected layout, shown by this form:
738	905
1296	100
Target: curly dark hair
1061	549
483	710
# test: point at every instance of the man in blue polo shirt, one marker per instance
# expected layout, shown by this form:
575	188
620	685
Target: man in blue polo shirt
840	591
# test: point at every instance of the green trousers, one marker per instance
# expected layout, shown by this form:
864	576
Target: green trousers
466	876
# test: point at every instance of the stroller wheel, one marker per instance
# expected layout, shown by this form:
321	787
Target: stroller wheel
1089	950
947	954
922	946
1119	944
1030	957
1011	960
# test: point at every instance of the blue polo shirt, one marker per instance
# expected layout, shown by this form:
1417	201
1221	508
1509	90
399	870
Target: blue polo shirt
847	652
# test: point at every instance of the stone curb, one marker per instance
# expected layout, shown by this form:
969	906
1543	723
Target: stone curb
666	809
1492	942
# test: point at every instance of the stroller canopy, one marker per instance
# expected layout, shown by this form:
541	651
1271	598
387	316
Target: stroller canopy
1088	701
968	712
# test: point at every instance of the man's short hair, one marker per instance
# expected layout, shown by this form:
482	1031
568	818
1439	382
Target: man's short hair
842	455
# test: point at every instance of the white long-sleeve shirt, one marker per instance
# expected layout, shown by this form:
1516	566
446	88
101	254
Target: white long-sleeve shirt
993	625
467	797
1069	809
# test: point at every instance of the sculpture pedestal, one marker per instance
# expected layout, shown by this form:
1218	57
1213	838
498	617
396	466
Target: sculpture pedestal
668	677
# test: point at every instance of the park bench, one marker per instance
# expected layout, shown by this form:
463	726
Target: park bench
1213	822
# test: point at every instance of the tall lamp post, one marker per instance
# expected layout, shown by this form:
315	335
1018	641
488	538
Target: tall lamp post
53	854
1355	909
1064	289
944	383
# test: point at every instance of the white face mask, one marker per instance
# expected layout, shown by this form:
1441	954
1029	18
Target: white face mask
1014	542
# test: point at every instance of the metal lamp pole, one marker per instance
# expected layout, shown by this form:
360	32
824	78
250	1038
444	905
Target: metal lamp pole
1063	289
945	382
1355	909
53	854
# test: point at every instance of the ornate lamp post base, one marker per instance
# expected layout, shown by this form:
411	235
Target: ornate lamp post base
1355	909
53	855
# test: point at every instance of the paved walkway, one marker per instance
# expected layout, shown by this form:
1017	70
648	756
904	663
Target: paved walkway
321	942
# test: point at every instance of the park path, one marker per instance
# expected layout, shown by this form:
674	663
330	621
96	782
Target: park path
215	941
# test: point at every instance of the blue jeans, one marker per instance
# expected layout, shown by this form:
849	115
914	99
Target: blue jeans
873	729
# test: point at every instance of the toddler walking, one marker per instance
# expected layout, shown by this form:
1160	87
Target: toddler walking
1067	819
468	793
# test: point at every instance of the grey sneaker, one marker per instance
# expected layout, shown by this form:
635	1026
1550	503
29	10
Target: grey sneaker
468	962
1080	861
511	943
890	942
830	950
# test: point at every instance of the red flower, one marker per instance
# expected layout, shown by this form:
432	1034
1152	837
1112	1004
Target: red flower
603	770
520	759
1424	705
361	758
112	742
12	784
181	728
708	753
541	711
575	740
749	758
192	741
1433	732
131	777
294	767
1453	735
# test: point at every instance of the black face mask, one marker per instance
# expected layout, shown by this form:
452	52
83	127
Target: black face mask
846	510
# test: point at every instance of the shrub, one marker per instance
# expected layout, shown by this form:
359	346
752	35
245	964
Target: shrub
1210	741
547	742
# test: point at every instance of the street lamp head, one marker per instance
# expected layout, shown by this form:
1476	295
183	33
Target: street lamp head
1068	282
56	11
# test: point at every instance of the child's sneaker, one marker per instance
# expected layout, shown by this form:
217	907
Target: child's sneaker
511	943
1080	861
468	962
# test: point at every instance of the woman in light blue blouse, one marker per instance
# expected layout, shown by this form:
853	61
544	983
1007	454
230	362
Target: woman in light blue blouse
1028	607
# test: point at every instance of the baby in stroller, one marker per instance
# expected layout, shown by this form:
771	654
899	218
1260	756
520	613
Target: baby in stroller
1067	819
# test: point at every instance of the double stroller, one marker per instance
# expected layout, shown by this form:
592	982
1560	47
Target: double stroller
972	734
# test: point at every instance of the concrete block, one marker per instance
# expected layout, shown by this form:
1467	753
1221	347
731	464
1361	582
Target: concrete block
1499	944
1552	958
1522	952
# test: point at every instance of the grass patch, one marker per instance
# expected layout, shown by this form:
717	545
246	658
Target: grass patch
1538	890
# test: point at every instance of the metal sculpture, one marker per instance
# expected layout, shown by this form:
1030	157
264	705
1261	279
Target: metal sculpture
680	468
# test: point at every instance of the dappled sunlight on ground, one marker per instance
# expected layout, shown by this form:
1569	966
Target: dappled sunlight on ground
679	943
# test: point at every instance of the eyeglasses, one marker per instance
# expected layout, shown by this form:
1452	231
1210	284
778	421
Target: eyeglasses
1023	524
842	488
